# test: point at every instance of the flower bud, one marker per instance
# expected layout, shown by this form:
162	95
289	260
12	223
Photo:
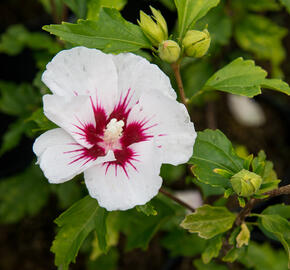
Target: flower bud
155	30
169	51
224	173
246	183
196	43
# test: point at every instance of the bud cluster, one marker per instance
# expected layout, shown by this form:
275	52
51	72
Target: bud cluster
194	44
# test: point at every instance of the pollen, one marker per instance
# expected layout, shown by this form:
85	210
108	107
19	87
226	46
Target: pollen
113	131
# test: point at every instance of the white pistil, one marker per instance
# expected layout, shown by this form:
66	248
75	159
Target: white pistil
113	132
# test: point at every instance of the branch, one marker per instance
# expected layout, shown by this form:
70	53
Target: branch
172	197
252	202
176	70
279	191
246	211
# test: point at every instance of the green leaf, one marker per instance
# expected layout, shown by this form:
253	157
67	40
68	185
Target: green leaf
286	3
172	173
112	236
23	194
18	100
207	190
41	120
280	227
261	5
268	186
12	136
181	243
264	257
147	209
79	7
67	193
228	192
17	37
94	7
241	201
211	266
13	40
189	11
243	237
110	33
139	228
107	261
213	150
278	209
219	25
261	36
277	85
233	236
212	249
209	221
195	74
58	9
75	225
233	254
169	4
240	77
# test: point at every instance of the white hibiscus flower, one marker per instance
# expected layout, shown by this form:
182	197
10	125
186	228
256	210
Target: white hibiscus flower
119	121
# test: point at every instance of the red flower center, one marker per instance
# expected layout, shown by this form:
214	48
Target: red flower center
112	132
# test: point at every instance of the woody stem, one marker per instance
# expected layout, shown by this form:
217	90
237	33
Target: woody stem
176	70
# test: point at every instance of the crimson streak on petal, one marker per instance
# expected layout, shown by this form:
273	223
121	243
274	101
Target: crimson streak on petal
134	132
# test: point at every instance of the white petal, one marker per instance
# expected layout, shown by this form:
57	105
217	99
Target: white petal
170	123
139	75
56	151
82	71
122	192
71	113
50	138
246	111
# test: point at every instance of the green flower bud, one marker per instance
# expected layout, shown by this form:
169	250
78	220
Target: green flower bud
224	173
246	183
169	51
196	43
155	29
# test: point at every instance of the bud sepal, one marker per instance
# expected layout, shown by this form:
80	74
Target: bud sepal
246	183
169	51
154	27
196	43
223	172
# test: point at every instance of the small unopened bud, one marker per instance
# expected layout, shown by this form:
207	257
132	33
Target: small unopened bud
169	51
154	27
246	183
224	173
196	43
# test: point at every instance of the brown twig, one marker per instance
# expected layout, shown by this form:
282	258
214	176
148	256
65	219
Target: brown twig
279	191
252	202
176	70
246	211
172	197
